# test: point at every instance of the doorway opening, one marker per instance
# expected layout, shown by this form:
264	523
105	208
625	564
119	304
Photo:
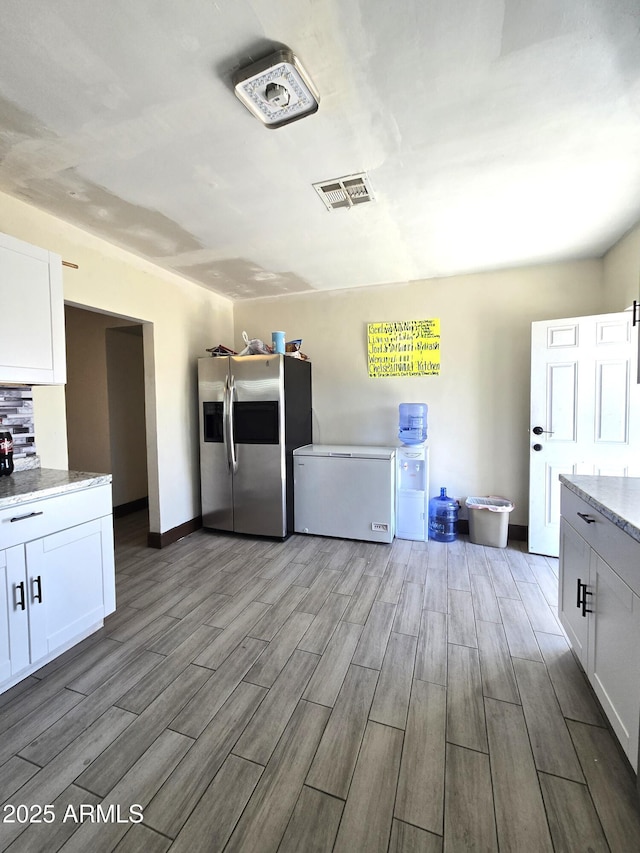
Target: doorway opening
105	404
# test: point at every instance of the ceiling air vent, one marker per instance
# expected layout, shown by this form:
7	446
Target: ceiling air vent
345	192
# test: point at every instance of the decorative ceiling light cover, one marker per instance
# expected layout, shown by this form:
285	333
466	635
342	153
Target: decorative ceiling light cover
276	89
345	192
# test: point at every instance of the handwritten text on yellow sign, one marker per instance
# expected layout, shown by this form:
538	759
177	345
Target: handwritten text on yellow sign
408	348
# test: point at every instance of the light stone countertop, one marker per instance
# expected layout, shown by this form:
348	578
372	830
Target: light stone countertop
23	486
617	498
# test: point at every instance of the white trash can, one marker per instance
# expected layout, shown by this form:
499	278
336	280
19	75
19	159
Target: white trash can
489	520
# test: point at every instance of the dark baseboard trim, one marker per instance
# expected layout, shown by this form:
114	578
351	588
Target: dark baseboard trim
131	506
519	532
161	540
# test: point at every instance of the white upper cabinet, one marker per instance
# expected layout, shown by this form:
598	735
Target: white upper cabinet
32	345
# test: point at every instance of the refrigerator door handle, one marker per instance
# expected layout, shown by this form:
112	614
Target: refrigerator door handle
225	420
231	447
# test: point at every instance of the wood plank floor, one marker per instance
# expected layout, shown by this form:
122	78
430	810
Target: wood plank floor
316	695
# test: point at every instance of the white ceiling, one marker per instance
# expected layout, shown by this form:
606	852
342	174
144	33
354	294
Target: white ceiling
495	133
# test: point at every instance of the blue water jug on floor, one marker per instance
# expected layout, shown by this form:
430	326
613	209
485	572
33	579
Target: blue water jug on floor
443	518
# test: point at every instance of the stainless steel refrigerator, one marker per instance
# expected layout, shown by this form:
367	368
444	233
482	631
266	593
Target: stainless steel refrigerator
254	411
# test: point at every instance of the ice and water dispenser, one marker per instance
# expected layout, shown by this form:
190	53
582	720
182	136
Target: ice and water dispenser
412	475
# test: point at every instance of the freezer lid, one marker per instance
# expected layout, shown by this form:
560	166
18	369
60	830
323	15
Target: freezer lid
346	451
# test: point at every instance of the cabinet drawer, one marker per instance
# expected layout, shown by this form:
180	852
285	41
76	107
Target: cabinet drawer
615	546
30	520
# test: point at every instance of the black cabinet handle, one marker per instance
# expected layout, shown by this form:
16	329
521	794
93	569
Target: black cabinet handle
20	602
585	593
37	587
587	518
579	601
22	517
636	317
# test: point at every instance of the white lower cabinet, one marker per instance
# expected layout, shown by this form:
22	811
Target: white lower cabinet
5	644
19	608
601	613
575	557
59	588
613	662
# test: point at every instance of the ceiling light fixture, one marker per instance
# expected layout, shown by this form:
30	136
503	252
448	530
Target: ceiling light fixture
276	89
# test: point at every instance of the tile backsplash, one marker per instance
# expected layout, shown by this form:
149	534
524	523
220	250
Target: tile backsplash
16	416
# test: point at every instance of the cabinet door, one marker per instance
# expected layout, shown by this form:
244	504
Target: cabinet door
5	603
17	611
614	662
574	569
636	323
411	515
32	350
65	580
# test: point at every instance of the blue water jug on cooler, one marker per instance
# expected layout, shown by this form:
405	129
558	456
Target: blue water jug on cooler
412	428
443	518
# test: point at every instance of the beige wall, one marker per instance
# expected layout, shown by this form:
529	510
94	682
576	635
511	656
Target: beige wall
478	416
50	422
622	272
478	406
181	321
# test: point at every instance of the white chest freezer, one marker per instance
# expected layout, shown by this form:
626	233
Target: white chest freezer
345	491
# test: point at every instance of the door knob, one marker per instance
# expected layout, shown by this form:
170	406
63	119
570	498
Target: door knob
537	447
539	431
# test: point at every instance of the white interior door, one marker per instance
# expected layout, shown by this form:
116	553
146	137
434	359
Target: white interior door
585	411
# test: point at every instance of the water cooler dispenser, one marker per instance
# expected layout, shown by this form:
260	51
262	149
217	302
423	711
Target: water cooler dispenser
412	474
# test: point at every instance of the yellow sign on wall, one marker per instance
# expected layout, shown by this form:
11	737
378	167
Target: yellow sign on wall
407	348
